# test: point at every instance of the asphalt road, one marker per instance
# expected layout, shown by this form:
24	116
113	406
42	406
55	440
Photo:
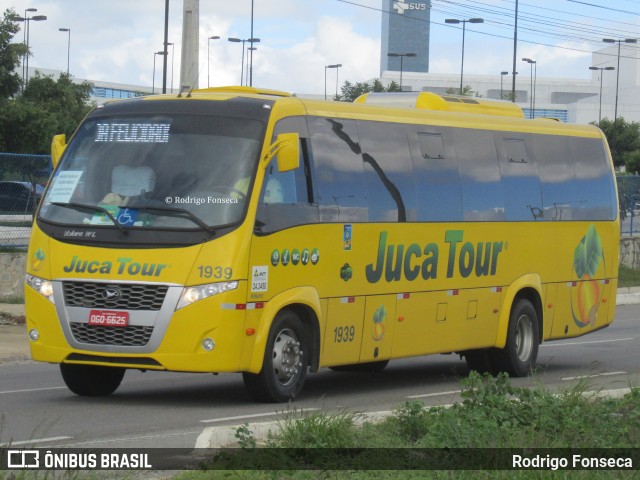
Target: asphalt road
157	409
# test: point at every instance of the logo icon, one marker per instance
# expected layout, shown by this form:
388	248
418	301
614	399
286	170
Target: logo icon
38	258
400	7
275	257
111	294
23	459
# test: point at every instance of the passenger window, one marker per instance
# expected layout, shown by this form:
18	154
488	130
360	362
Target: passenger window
439	198
338	167
388	172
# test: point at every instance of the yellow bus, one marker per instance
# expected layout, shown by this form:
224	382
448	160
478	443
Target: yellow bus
245	230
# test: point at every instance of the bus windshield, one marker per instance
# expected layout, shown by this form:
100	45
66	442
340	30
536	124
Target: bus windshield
158	171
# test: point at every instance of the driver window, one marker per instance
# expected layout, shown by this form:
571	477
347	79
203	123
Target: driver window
284	199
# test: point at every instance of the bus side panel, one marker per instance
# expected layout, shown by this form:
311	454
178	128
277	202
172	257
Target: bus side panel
343	332
441	322
585	306
379	325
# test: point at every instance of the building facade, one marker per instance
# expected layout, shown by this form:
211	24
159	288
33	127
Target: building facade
405	29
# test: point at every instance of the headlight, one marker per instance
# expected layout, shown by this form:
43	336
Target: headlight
43	287
193	294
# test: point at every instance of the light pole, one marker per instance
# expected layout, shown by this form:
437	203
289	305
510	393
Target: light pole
27	20
214	37
401	55
172	57
251	42
502	74
601	69
464	23
619	41
250	51
336	66
68	30
532	100
153	88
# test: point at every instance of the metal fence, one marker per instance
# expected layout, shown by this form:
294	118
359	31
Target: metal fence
23	178
22	182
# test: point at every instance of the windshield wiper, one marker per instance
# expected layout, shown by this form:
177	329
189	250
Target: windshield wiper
93	208
176	212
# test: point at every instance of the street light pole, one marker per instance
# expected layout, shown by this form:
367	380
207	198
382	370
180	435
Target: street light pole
251	42
601	70
246	75
172	62
153	82
214	37
336	66
464	23
27	20
401	55
68	45
502	74
619	41
532	90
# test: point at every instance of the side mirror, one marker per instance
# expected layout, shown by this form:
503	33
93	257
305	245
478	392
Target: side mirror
287	148
58	144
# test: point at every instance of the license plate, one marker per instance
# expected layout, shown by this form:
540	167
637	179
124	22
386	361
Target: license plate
108	318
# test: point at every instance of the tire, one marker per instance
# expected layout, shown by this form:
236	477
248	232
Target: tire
518	357
91	380
479	360
362	367
286	360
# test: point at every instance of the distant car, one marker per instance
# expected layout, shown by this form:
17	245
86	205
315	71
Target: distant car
19	197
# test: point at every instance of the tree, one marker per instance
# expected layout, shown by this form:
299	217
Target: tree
350	92
467	91
623	138
46	108
10	54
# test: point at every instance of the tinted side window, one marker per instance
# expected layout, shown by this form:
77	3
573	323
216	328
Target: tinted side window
520	182
576	178
482	196
339	171
593	180
435	170
388	172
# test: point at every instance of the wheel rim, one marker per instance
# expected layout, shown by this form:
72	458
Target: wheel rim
524	337
287	357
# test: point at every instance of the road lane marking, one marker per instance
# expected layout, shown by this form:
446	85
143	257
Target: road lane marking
34	440
255	415
33	390
555	344
605	374
437	394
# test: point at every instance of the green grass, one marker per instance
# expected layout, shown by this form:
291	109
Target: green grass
628	277
492	414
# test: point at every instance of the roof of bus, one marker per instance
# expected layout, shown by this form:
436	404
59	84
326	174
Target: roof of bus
286	104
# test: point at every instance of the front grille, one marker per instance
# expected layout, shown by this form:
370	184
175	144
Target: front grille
101	295
130	336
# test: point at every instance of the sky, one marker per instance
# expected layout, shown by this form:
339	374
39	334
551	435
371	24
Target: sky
115	40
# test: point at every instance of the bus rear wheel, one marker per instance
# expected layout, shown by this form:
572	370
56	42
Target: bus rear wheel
518	357
91	380
285	364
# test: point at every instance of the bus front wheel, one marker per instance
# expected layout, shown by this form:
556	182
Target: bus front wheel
284	368
91	380
518	357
